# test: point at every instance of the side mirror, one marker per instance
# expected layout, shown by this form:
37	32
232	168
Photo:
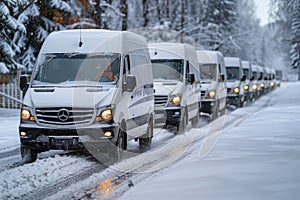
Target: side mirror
222	77
243	78
24	83
130	83
252	78
191	78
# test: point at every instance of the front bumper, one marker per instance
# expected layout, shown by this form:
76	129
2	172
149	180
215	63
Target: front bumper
44	138
167	116
233	99
207	105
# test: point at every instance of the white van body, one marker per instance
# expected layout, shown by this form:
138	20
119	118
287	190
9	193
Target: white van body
248	84
213	85
71	106
172	64
235	85
255	82
261	80
267	72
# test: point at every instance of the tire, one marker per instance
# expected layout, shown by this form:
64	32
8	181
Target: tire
181	126
195	121
116	152
28	155
215	112
145	142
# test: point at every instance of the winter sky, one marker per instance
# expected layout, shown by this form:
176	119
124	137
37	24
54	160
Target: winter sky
262	11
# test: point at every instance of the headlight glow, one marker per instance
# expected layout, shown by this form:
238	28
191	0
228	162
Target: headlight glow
106	114
175	100
211	94
25	114
272	83
254	87
236	90
262	85
246	87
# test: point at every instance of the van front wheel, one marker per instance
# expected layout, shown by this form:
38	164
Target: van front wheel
28	155
145	142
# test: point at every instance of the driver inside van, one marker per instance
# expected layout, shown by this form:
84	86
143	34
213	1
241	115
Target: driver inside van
105	74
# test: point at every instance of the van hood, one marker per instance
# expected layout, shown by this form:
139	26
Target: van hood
81	97
167	87
209	86
232	84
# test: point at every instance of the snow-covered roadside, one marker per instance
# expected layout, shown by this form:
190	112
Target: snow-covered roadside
258	158
9	133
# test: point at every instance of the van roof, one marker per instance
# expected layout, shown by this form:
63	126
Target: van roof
173	51
93	40
208	57
246	64
232	61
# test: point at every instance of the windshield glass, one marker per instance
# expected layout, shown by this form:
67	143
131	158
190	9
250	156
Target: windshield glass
167	69
66	69
255	75
246	73
233	73
208	72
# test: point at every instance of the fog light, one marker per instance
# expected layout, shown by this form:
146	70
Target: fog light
23	133
98	119
108	134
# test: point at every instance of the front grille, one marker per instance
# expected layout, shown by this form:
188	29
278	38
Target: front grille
160	100
228	90
64	116
203	94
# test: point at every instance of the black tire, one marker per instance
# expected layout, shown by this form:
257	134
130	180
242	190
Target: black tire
145	142
28	155
215	112
116	152
195	121
181	126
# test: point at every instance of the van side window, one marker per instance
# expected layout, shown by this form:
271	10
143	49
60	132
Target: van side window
126	69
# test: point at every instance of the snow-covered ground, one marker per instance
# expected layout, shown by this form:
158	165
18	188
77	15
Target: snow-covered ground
258	158
250	153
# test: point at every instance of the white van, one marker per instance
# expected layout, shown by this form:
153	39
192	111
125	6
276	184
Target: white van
176	83
213	86
248	84
261	80
90	89
235	79
255	83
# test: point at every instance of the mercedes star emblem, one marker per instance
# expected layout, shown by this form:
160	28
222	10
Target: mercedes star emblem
63	114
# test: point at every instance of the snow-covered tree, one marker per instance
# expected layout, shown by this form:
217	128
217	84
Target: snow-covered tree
286	14
9	26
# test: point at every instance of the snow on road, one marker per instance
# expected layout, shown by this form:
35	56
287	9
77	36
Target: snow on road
250	153
259	158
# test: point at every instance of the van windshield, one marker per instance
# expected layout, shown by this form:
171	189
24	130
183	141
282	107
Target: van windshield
246	72
233	73
73	69
167	69
208	72
255	75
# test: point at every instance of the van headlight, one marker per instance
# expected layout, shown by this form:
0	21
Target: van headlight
236	90
262	85
211	94
272	83
26	114
175	100
104	114
246	87
254	87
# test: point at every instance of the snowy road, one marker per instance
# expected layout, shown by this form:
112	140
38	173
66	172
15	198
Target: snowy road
253	141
